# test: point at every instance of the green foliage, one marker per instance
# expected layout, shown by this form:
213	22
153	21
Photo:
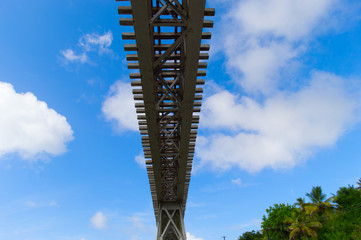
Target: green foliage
340	229
302	225
347	221
301	203
274	224
335	218
253	235
348	197
316	195
320	206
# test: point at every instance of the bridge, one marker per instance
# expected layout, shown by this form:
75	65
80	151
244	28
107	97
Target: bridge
169	59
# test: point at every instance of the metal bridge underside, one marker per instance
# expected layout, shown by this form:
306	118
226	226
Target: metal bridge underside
168	56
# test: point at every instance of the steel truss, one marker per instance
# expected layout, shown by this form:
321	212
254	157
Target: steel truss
168	48
170	222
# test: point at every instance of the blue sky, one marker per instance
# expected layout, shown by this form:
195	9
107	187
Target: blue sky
281	114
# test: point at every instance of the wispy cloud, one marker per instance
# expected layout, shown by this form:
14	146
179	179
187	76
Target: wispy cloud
236	181
70	56
140	160
140	224
252	224
52	203
28	127
99	221
31	204
206	217
41	204
137	222
96	42
92	42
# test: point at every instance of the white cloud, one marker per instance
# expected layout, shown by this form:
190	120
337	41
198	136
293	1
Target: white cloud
264	42
281	18
53	203
250	225
237	181
191	237
29	127
263	37
89	43
31	204
139	225
119	108
41	204
285	129
94	41
72	57
99	221
137	222
140	160
260	64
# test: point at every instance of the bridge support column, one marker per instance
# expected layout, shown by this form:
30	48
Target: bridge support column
170	222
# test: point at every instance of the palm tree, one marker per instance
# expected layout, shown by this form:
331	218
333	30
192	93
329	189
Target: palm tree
301	203
304	229
302	226
316	195
359	184
320	205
